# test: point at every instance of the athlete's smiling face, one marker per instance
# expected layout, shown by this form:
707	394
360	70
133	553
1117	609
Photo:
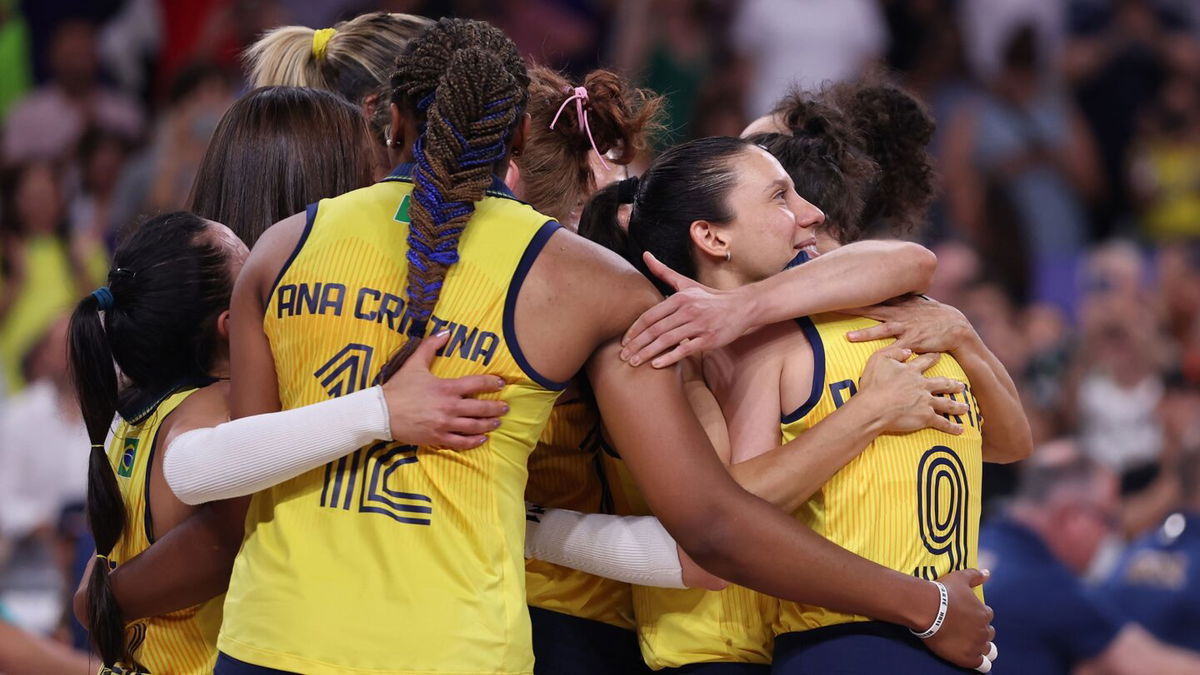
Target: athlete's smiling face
770	225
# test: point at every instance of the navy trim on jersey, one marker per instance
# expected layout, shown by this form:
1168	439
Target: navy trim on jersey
510	304
311	217
404	174
147	516
140	406
818	383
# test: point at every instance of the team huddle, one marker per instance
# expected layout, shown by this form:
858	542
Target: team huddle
401	394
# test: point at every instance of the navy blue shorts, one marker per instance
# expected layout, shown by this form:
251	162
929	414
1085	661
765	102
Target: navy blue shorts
568	644
720	669
227	665
863	648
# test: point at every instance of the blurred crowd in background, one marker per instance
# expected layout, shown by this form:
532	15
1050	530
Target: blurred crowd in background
1067	228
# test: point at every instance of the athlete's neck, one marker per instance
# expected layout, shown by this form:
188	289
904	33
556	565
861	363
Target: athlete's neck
721	276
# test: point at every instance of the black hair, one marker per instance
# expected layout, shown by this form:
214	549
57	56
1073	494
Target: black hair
689	182
166	289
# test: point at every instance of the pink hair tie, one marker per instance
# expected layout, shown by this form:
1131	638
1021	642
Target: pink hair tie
580	96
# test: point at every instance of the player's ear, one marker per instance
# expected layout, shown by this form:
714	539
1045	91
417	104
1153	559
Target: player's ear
710	239
223	325
402	131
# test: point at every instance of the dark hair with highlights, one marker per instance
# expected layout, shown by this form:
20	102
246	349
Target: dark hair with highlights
169	286
466	85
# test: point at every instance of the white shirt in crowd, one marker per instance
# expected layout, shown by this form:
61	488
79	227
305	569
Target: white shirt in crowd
805	42
1119	426
43	460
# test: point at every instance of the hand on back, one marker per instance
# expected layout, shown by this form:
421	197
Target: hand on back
904	398
917	323
424	409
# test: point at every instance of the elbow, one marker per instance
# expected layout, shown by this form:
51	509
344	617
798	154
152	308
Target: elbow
714	545
1017	447
923	264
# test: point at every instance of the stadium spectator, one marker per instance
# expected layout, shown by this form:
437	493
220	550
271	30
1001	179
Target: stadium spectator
1066	507
48	123
1019	167
1156	583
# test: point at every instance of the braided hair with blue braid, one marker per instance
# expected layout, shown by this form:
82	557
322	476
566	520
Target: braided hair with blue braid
466	86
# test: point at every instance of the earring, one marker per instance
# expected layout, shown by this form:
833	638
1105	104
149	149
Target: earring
728	256
387	137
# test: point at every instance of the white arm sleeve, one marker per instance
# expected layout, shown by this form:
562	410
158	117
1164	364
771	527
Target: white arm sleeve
244	456
633	549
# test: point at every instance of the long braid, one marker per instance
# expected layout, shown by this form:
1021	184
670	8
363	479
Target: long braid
468	83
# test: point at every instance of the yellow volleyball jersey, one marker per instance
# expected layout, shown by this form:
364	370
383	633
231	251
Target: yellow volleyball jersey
567	470
395	559
909	502
183	642
681	626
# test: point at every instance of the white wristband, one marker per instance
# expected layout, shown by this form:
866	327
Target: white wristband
943	605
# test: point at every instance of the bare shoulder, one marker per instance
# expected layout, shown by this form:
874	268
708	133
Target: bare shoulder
207	407
576	297
597	281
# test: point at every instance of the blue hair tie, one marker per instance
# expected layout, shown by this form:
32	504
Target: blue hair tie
104	298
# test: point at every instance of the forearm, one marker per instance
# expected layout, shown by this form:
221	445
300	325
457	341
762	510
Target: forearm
246	455
633	549
1006	437
855	275
188	565
768	551
788	475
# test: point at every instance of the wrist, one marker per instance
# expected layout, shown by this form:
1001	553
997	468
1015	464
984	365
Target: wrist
967	342
920	603
866	417
753	308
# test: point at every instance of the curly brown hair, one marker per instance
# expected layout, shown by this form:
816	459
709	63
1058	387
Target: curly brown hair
859	151
555	170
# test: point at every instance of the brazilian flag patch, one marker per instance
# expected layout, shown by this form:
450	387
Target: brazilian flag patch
128	453
402	212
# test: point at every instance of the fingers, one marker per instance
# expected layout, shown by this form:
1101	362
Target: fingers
975	577
474	384
985	666
668	275
472	426
684	350
647	327
892	352
670	339
473	407
940	423
993	652
883	330
429	348
945	406
943	385
926	361
457	442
